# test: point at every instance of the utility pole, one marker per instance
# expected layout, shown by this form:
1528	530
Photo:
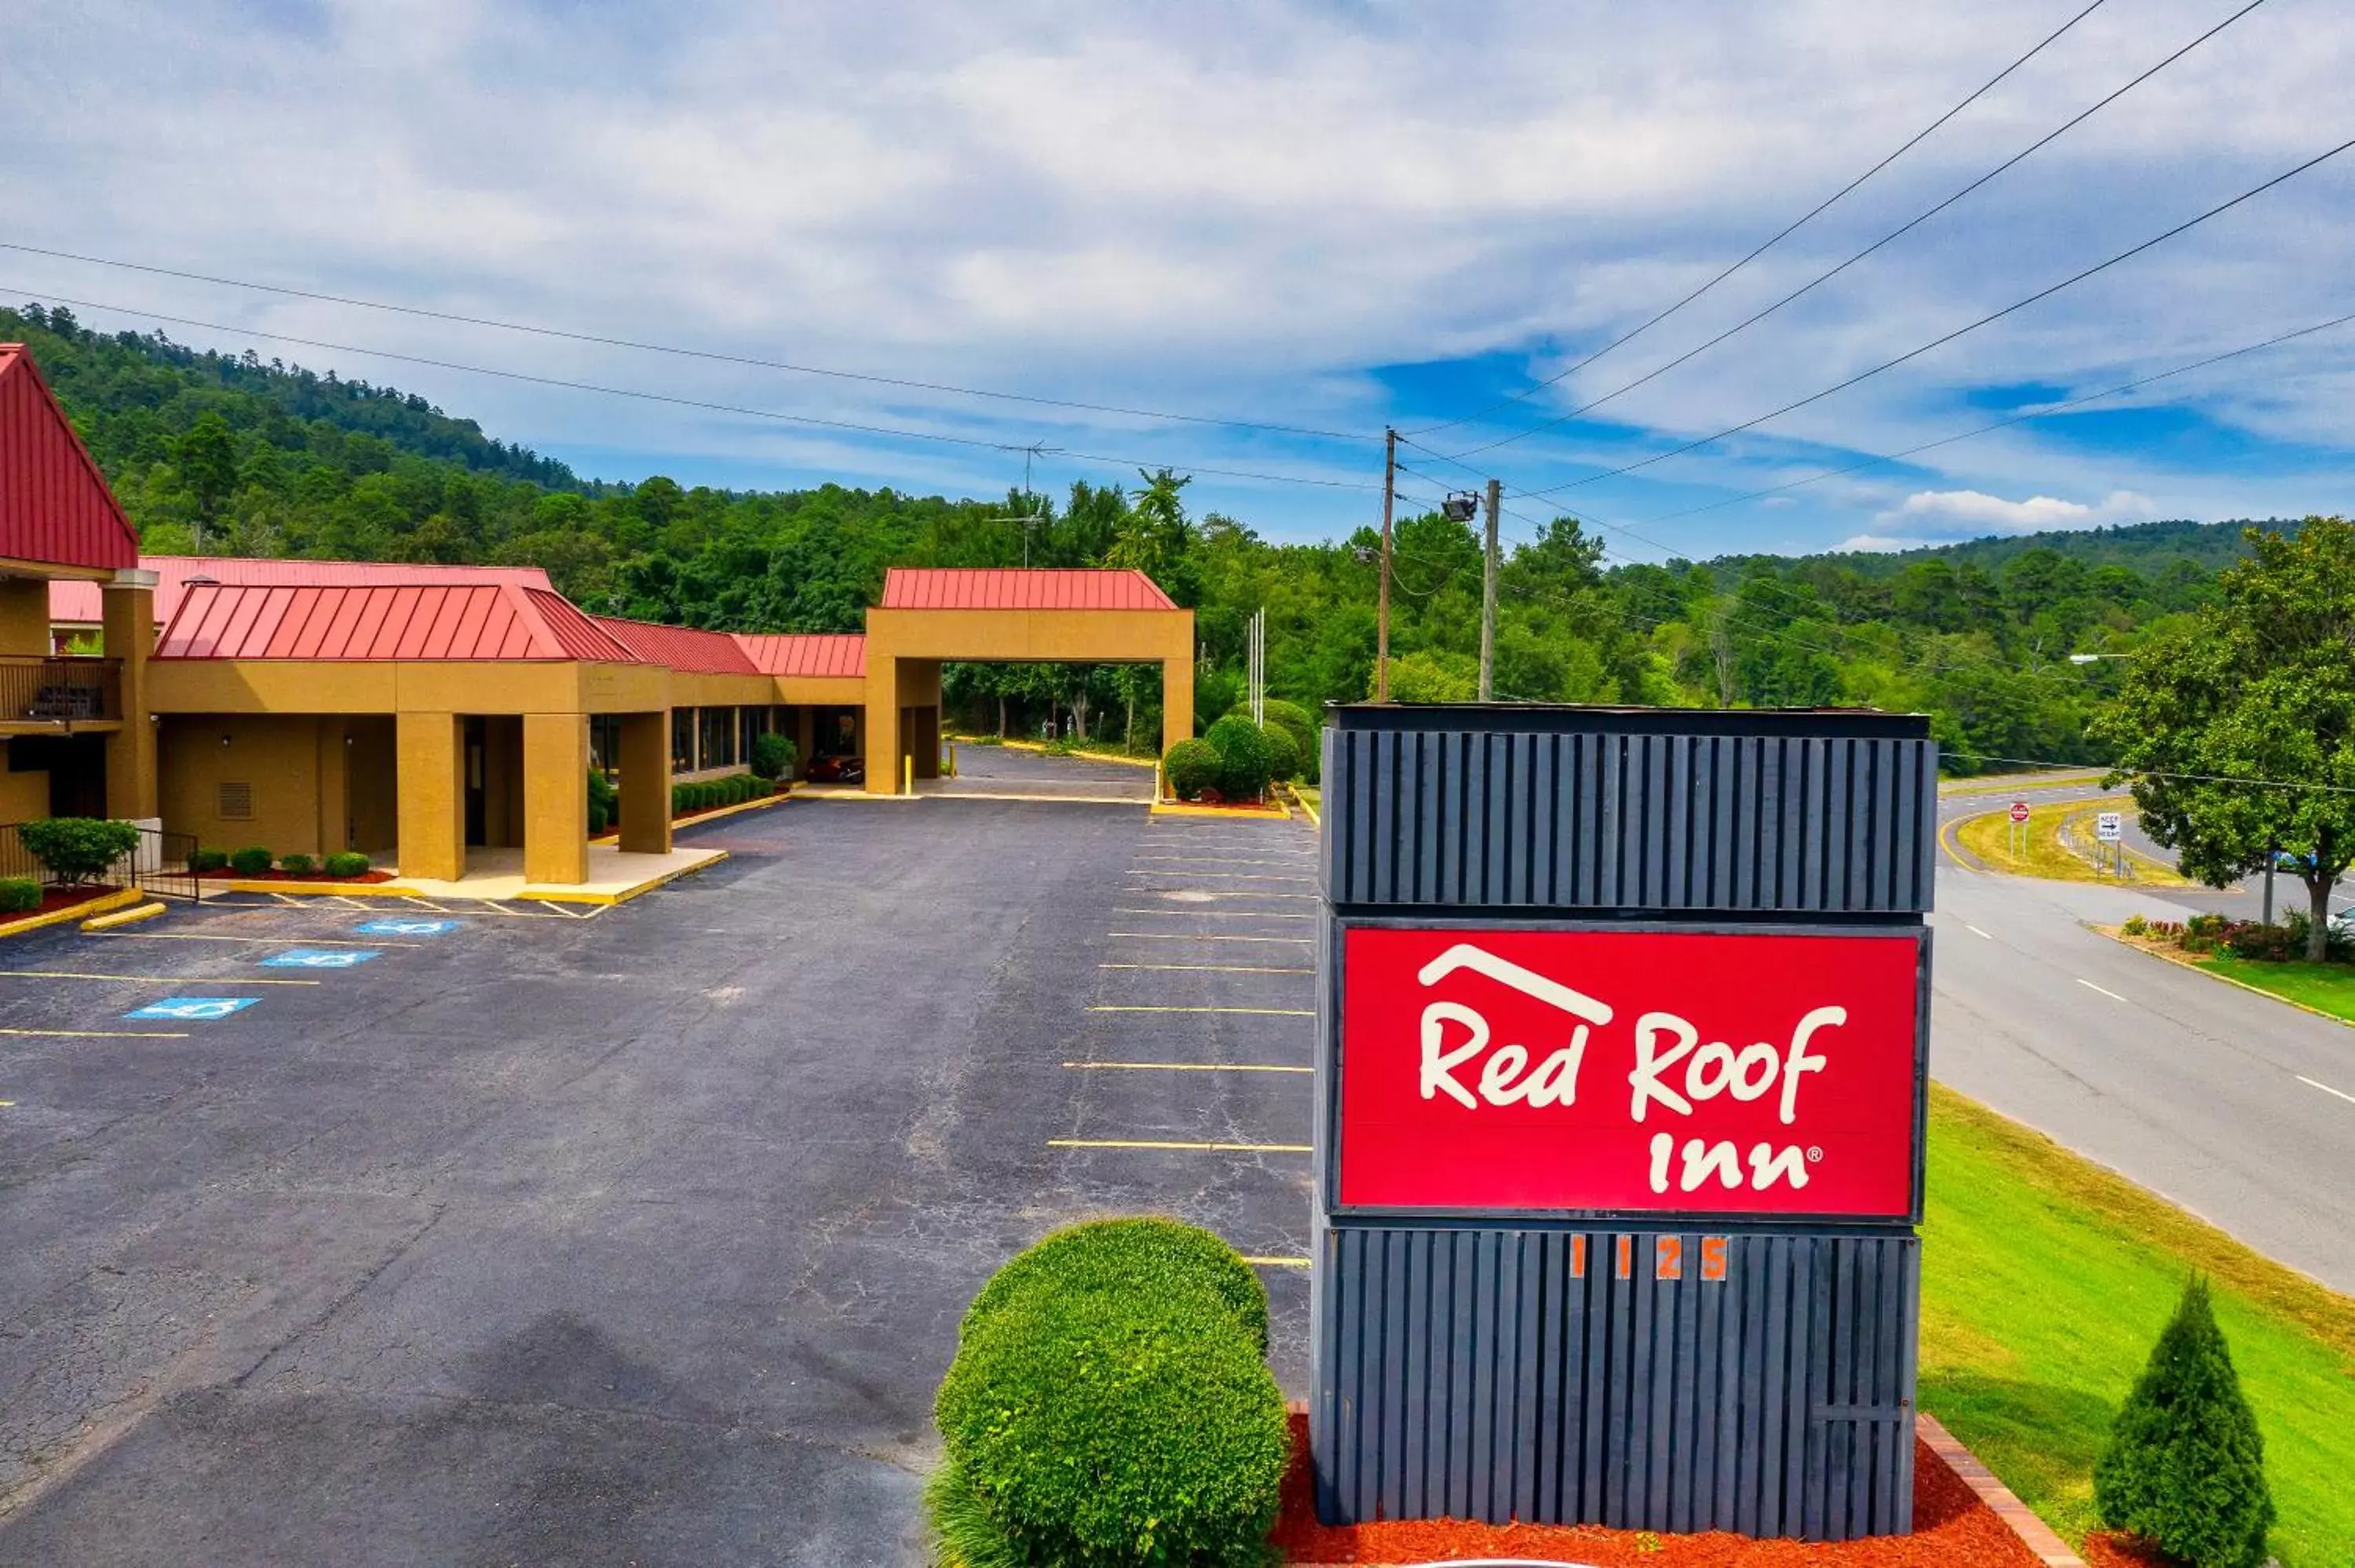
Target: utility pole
1488	598
1382	617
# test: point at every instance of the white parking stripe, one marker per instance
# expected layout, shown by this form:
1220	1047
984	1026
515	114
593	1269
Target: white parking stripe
2325	1088
2089	985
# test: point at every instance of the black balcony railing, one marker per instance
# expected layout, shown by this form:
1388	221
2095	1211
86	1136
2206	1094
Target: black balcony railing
60	691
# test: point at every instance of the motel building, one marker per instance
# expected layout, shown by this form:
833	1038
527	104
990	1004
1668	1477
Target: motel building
442	720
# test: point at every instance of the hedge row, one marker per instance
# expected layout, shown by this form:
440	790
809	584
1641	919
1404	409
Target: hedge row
1109	1406
706	794
256	861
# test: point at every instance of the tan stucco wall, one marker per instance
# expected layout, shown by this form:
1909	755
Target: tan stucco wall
24	618
131	757
23	797
556	797
279	756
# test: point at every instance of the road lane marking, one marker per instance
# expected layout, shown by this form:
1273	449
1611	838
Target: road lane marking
2325	1088
95	1033
1180	1067
140	979
2089	985
1975	931
1181	1148
266	941
1216	969
1253	1011
1219	914
1206	937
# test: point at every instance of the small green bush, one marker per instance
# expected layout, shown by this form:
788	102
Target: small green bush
251	861
1283	756
1304	728
1191	767
348	862
773	756
678	800
297	864
209	860
19	896
2186	1465
1243	757
77	849
2136	925
605	802
1115	1254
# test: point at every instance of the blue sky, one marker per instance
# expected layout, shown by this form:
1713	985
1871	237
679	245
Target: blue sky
1326	217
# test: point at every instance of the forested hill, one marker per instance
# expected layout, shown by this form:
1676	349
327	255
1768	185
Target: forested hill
271	461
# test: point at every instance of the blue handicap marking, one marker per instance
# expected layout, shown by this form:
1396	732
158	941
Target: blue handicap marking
183	1008
319	957
393	926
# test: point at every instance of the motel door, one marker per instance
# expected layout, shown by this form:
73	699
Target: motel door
477	797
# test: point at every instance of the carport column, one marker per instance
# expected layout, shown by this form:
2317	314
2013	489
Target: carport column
882	738
1176	700
645	783
129	628
556	797
433	796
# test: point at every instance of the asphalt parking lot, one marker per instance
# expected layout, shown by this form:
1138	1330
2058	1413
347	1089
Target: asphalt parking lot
636	1239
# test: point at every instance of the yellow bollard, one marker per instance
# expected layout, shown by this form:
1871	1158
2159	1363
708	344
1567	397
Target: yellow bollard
908	774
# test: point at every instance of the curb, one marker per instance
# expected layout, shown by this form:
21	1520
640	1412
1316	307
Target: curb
120	899
1082	756
122	917
712	815
2112	932
320	889
2033	1532
1278	813
574	896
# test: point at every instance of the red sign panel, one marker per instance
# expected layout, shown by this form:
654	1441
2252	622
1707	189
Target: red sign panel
2019	810
1676	1073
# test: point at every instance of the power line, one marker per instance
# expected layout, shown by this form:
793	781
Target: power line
1907	227
1783	234
711	356
894	432
1940	342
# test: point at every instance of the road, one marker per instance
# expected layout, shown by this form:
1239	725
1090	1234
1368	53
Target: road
2238	1108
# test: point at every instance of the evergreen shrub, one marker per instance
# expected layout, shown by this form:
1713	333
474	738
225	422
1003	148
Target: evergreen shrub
297	864
348	862
1283	756
77	849
2186	1465
1243	757
773	756
1192	766
251	861
205	860
1113	1255
19	896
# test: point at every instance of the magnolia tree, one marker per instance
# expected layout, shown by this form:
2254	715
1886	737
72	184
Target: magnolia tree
2239	729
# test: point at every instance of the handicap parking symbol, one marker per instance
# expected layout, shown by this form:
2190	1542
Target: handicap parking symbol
200	1008
319	957
394	926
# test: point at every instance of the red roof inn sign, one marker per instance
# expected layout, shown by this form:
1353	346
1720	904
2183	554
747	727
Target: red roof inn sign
1622	1074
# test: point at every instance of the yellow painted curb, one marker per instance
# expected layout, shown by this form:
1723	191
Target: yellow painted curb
575	895
2184	962
1040	747
115	900
122	917
713	815
1305	808
1278	813
321	889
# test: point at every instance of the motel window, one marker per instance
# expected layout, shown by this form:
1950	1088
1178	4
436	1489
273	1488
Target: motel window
718	736
682	740
606	743
750	725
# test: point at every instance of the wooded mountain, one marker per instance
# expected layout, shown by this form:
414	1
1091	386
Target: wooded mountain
272	460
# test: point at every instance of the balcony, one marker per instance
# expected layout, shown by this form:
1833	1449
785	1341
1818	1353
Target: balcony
58	694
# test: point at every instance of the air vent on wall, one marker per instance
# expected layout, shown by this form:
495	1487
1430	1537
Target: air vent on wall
236	803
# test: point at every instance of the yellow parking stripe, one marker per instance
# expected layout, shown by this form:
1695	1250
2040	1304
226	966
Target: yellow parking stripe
1182	1147
142	979
96	1033
1180	1067
1206	937
1256	1012
1214	968
1217	914
1278	1262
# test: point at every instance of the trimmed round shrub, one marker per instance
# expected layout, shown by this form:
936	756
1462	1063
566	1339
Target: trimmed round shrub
1117	1427
605	802
678	800
1243	757
1192	766
19	896
251	861
348	862
773	756
209	860
297	864
1282	757
1145	1252
77	849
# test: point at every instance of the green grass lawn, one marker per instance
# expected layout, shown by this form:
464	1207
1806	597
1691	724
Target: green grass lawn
2046	1280
2329	988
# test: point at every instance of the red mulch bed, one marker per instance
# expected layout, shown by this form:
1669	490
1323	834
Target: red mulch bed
2105	1550
276	875
55	898
1952	1529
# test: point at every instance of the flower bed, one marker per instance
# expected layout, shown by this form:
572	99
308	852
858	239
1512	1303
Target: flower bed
55	898
230	873
1952	1529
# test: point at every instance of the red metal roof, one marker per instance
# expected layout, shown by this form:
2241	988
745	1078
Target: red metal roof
680	646
383	622
830	656
1020	587
72	601
54	507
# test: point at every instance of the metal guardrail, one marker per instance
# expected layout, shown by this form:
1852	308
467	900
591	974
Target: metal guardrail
60	691
159	864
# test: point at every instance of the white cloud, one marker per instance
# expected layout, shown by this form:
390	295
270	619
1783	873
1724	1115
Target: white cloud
1942	511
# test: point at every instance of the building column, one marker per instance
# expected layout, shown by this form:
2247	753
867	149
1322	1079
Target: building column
882	741
556	799
1176	702
432	793
645	782
129	629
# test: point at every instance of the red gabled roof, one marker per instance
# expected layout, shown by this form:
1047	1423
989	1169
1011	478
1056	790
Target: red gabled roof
71	602
55	506
387	621
820	656
680	646
1020	587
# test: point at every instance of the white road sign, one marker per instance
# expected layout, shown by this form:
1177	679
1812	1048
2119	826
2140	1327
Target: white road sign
2108	827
